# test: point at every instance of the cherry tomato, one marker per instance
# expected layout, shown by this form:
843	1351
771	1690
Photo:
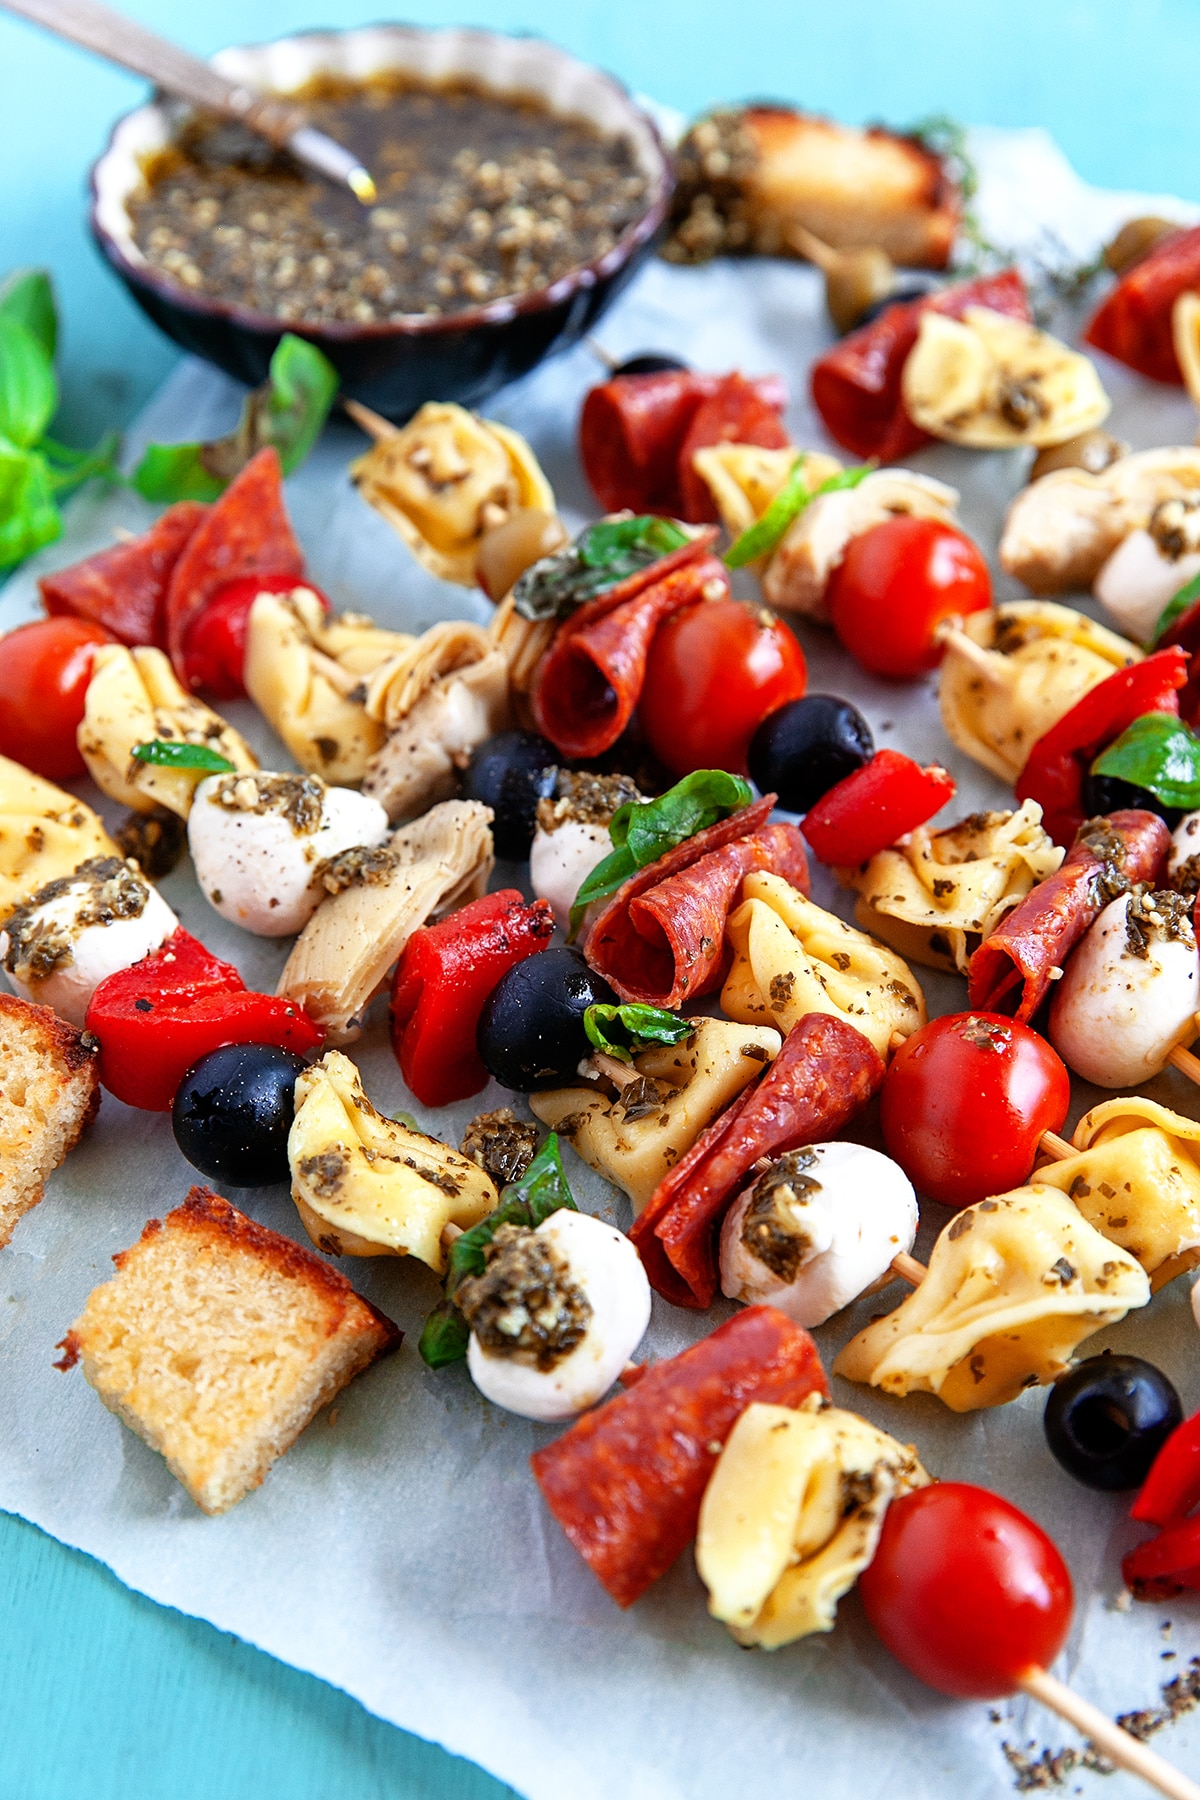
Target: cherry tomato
965	1101
966	1591
215	648
714	672
45	668
896	584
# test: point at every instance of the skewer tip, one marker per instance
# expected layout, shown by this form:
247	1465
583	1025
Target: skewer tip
361	184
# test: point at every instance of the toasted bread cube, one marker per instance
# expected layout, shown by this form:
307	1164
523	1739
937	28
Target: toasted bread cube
217	1341
48	1094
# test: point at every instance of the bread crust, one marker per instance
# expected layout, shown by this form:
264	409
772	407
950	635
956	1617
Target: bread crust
49	1095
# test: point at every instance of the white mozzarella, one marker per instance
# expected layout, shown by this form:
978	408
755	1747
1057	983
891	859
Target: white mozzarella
97	951
856	1210
561	860
1196	1301
604	1263
1119	1010
257	869
1137	581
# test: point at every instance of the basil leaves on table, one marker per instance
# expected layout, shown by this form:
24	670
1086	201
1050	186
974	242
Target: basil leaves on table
600	557
1175	608
174	753
762	537
542	1190
622	1031
1160	753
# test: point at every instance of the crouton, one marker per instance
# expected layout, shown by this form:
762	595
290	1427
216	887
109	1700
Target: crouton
48	1095
217	1341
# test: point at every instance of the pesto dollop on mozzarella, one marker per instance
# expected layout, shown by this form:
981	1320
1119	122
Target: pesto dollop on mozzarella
1130	991
1150	566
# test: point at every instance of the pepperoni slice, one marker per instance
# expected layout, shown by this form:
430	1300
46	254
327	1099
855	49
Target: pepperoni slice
626	1481
735	414
824	1075
246	532
1133	322
124	588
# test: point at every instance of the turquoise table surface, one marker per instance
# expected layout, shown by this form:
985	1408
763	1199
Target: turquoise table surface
104	1692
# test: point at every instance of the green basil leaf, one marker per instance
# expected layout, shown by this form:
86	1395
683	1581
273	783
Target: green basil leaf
444	1336
27	296
173	753
78	466
762	537
544	1187
29	519
170	472
28	388
605	878
622	1031
1157	752
602	555
1175	608
302	386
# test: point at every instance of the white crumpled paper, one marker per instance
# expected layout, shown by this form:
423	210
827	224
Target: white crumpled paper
400	1550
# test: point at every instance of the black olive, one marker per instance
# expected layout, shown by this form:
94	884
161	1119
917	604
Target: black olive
1108	1418
510	773
233	1111
651	362
1108	793
807	747
901	294
530	1033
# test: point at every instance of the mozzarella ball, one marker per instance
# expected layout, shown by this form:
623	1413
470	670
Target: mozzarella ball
1137	581
560	861
816	1230
1130	991
78	931
1183	860
258	842
602	1265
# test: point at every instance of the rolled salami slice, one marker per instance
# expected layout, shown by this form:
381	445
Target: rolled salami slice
124	588
591	678
825	1073
661	938
626	1481
1013	968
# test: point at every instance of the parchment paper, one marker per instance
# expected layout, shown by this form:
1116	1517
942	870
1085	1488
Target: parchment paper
400	1550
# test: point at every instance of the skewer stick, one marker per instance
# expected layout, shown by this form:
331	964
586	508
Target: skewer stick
1185	1062
910	1270
814	248
982	661
1056	1147
372	423
1109	1738
601	355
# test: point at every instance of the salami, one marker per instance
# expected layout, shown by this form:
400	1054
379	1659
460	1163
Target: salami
124	589
1133	321
1013	968
736	414
856	385
632	431
660	940
626	1481
825	1074
591	678
246	532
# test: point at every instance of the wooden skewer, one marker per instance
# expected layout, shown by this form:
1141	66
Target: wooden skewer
371	422
601	354
1186	1063
995	672
1118	1745
814	248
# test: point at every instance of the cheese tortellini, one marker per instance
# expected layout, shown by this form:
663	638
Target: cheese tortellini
45	833
1014	1285
792	1514
791	958
994	383
937	895
743	479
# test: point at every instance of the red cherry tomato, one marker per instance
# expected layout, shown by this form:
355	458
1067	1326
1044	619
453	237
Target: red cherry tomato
964	1102
45	668
214	650
896	584
966	1591
714	672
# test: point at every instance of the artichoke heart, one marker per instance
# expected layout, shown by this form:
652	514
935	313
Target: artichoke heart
938	894
791	1517
676	1091
133	698
790	958
1014	1286
994	383
45	833
744	479
446	478
365	1185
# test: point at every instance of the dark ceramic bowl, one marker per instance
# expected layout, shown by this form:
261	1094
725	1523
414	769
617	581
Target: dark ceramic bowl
396	365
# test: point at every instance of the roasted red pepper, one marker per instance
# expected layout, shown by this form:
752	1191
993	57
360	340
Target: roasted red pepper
1172	1488
1058	762
442	980
873	807
635	432
124	588
856	385
1165	1564
159	1017
214	650
1133	322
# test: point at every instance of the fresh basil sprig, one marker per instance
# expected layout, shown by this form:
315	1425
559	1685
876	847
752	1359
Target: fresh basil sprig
1175	608
601	556
542	1190
173	753
1159	753
644	830
288	410
762	537
622	1031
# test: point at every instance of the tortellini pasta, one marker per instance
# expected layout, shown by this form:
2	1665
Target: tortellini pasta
132	698
1036	660
1014	1285
791	957
743	479
366	1185
45	833
792	1514
935	896
637	1137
